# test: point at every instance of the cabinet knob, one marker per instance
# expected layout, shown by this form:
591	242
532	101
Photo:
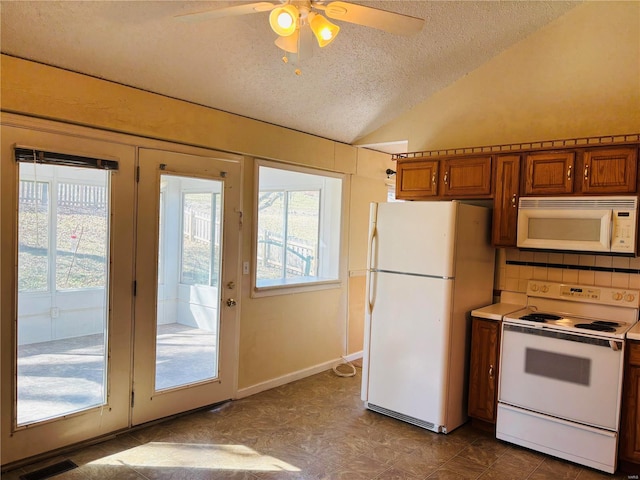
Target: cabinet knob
513	201
586	172
433	178
446	177
569	172
490	371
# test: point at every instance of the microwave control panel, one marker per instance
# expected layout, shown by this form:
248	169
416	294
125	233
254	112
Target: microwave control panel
623	238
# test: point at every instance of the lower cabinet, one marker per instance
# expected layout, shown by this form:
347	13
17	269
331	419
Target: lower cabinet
629	446
483	372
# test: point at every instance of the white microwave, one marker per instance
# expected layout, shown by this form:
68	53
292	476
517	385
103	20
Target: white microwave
585	224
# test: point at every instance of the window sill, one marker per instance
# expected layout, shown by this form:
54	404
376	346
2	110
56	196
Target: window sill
278	287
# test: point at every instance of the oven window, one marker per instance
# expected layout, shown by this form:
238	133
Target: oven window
558	366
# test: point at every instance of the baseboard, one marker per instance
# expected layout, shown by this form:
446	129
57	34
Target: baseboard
292	377
353	356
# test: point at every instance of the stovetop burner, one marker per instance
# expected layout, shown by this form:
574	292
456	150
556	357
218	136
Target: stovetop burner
598	326
608	324
585	310
563	321
540	317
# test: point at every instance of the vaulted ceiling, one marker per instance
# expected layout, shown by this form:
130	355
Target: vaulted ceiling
361	81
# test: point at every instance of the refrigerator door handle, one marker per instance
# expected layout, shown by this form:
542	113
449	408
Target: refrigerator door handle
371	297
372	254
373	245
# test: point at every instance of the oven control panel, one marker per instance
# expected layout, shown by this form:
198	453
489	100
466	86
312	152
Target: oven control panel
580	292
584	293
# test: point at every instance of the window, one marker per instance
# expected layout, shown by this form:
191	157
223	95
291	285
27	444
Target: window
298	226
62	228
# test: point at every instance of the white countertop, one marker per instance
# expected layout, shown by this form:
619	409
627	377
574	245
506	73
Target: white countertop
634	333
497	311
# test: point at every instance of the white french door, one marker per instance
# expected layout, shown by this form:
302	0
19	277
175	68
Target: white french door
118	299
66	299
185	307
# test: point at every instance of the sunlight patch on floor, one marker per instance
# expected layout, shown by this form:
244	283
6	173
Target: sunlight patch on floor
199	456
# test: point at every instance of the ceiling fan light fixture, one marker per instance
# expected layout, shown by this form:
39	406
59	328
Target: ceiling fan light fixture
323	29
288	44
284	20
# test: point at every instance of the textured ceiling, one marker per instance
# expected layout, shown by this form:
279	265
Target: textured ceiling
363	80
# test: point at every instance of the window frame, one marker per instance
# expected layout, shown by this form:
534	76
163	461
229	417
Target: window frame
307	286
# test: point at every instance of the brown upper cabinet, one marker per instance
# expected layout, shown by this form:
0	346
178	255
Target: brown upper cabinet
612	170
426	178
595	171
505	201
465	177
417	180
549	173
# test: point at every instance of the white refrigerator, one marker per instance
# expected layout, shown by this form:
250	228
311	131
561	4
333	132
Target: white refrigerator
429	265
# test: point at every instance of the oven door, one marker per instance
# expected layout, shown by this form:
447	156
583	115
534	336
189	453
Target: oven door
561	374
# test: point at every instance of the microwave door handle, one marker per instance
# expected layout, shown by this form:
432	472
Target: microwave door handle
609	226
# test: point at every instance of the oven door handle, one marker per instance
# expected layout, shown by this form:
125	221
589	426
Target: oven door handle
615	346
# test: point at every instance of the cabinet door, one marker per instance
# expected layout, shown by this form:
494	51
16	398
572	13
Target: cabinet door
483	376
549	173
467	177
610	170
629	427
505	201
416	179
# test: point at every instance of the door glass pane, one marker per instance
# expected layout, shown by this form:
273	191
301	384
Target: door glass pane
188	282
63	248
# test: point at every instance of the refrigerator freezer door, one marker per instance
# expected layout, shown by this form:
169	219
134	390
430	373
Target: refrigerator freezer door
407	359
414	237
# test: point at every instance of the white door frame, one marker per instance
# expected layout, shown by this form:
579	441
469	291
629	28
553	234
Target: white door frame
116	415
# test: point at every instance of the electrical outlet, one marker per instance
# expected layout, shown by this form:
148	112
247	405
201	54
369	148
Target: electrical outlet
245	268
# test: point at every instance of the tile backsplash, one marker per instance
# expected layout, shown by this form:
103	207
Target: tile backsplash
515	267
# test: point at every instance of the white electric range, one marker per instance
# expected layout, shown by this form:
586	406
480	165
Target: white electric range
561	370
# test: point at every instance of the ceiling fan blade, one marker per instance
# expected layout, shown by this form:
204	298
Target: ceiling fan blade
372	17
227	12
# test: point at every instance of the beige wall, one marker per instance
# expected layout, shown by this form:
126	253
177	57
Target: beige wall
365	188
577	77
279	335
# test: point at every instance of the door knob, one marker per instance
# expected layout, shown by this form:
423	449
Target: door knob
231	302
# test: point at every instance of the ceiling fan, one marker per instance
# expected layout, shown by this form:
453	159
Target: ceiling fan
296	22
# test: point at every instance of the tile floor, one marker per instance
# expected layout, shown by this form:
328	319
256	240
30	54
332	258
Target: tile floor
315	428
